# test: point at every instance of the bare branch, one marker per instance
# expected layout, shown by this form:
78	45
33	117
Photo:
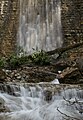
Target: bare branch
69	117
70	102
63	49
80	103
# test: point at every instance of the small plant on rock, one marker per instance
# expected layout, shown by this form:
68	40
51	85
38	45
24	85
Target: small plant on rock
13	61
2	62
40	58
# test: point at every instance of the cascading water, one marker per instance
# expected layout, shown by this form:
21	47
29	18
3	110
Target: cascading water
40	25
41	102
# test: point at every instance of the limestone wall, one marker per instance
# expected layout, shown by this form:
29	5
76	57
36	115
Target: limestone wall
72	21
9	14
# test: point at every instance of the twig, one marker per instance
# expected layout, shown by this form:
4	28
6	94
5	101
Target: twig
70	102
72	118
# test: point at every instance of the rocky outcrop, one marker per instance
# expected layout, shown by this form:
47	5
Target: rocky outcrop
71	17
68	72
72	21
9	20
3	108
70	75
67	60
30	74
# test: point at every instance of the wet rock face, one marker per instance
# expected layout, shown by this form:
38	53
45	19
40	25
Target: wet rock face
72	30
79	63
3	108
47	95
1	105
70	76
38	17
9	17
72	21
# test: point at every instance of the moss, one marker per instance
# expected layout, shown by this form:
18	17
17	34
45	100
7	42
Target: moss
14	61
40	58
2	62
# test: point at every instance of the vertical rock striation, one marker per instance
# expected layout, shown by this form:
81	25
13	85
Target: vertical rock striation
8	25
72	21
40	25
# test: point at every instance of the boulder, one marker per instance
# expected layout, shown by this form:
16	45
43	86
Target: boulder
70	75
2	75
3	108
47	95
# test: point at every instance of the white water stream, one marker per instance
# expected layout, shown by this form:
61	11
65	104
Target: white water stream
42	102
39	25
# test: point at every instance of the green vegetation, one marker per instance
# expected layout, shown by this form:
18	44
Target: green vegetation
2	62
40	58
14	61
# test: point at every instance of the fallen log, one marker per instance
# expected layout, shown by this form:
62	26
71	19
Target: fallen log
63	49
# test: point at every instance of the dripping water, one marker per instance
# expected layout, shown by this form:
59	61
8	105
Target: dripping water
39	25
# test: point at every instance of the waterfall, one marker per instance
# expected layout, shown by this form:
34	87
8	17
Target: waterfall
39	25
41	102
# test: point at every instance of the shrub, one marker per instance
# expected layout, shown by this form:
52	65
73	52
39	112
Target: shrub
2	62
13	61
24	60
40	58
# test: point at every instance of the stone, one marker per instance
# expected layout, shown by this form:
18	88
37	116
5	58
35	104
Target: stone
2	75
18	77
47	95
3	108
79	63
70	75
